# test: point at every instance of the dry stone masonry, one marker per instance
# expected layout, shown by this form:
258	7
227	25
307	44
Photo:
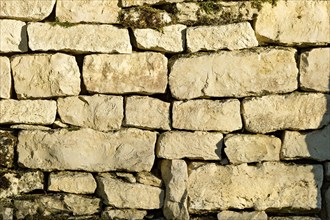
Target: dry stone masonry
165	109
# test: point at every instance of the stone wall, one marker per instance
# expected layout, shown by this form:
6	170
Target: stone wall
165	109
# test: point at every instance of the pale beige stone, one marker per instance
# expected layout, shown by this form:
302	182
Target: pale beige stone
119	194
146	112
29	127
130	214
13	36
207	115
45	75
246	148
127	177
187	12
327	170
87	149
6	209
147	178
27	111
82	205
59	124
144	73
234	73
5	78
98	112
80	38
231	215
315	70
296	111
129	3
294	22
269	186
192	145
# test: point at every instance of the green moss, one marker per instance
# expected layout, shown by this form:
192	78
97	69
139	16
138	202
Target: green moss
62	24
258	3
209	7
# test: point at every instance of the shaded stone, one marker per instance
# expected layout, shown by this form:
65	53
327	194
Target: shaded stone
7	145
327	170
29	127
13	36
294	218
127	177
131	214
147	178
129	3
231	215
6	209
5	78
327	201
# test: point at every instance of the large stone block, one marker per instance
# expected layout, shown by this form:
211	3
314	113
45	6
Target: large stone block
7	145
13	36
109	213
231	215
129	3
5	78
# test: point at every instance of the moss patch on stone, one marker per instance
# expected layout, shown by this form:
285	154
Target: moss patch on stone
258	3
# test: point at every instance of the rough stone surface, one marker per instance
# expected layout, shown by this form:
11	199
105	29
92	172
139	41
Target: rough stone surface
129	3
29	127
127	177
27	111
144	73
98	112
266	190
7	145
192	145
234	73
147	178
314	70
13	36
132	214
128	149
81	205
147	112
80	38
231	215
246	148
127	195
6	209
5	78
45	75
294	22
296	111
231	36
207	115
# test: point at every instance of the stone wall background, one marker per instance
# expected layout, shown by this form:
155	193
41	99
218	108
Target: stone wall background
172	109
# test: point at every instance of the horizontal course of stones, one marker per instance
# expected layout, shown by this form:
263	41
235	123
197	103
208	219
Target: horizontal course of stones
164	109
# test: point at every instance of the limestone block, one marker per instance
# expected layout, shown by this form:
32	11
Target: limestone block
314	70
45	75
7	145
266	191
80	38
127	149
5	78
207	115
296	111
132	214
234	73
82	205
192	145
301	22
144	73
231	215
147	178
27	111
98	112
146	112
13	36
129	3
127	177
187	12
6	209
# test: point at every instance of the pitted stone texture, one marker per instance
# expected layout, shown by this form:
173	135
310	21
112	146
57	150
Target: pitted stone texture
26	10
127	149
144	73
192	145
98	112
45	75
76	11
146	112
27	111
301	22
296	111
266	190
314	70
6	209
5	78
246	148
147	178
171	39
231	215
119	194
82	205
132	214
80	38
231	36
234	73
207	115
72	182
13	36
7	145
129	3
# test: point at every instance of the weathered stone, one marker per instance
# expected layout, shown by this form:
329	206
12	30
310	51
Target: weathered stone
27	111
7	145
99	112
13	36
26	10
192	145
72	182
129	3
146	112
175	176
147	178
230	36
266	191
82	205
327	170
314	70
131	214
127	177
144	73
231	215
59	124
76	11
294	218
119	194
29	127
207	115
294	22
80	38
234	73
6	209
171	39
312	145
5	78
45	75
246	148
128	149
297	111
